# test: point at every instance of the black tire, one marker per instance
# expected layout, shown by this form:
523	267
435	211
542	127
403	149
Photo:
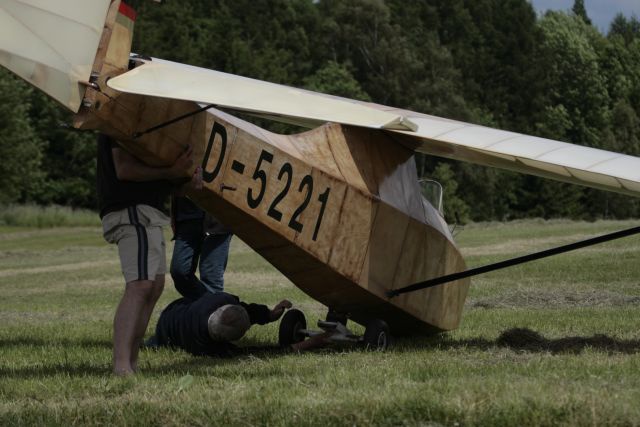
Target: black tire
291	324
377	335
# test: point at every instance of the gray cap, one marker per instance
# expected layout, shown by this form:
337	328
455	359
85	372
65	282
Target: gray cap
228	323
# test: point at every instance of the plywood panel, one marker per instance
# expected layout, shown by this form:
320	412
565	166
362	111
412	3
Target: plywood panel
348	151
350	244
427	255
385	249
316	145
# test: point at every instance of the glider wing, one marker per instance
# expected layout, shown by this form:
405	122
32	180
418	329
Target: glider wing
526	154
167	79
428	134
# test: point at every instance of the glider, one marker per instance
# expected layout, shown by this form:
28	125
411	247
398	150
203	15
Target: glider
337	209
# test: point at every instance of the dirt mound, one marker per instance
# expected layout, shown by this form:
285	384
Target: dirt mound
528	340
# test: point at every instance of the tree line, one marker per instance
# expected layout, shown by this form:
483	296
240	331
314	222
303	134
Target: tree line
491	62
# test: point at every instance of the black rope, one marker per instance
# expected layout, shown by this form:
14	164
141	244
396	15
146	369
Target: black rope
511	262
172	121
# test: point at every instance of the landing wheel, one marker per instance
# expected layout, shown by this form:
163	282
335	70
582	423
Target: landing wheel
291	324
376	335
334	316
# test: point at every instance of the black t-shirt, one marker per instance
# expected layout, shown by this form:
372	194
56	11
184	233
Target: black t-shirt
184	323
114	194
184	209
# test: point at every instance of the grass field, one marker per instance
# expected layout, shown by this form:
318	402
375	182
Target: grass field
555	342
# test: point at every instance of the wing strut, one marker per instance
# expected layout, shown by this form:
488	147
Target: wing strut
172	121
513	261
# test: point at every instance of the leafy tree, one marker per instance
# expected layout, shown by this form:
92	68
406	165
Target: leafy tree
436	83
551	199
628	29
393	65
171	30
573	79
580	11
493	44
20	146
335	79
621	61
70	167
455	209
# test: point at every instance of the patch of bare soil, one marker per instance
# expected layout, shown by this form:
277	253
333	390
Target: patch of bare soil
528	340
555	299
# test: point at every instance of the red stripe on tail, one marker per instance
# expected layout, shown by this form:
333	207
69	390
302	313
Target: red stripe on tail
127	11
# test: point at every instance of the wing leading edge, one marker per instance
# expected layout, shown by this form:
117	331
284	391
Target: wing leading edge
167	79
428	134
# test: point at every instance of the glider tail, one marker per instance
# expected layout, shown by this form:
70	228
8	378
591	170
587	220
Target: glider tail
56	45
113	54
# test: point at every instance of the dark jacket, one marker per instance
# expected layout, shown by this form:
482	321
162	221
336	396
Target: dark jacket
183	209
183	323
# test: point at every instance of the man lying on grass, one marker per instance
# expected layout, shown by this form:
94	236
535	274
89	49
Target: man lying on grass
208	325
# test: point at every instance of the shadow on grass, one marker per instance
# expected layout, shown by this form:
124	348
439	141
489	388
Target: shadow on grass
528	340
251	349
72	369
39	342
83	370
515	339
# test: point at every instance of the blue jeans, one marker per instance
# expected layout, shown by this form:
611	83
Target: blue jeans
193	248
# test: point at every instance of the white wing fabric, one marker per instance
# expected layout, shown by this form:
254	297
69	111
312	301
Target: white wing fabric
428	134
52	43
548	158
178	81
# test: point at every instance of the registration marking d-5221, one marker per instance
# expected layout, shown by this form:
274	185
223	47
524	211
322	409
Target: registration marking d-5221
255	194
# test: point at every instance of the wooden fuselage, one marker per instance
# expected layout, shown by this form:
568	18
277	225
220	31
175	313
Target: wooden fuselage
338	210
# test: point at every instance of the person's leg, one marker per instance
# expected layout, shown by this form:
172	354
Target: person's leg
213	261
142	256
186	253
127	323
144	315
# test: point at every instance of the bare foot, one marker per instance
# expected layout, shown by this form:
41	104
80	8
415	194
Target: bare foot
123	372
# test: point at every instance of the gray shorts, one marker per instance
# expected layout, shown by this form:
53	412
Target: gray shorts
137	231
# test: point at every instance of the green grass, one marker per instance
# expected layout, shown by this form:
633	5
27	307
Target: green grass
45	217
555	342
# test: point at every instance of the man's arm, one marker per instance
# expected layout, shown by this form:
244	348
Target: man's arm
315	341
130	168
279	309
261	314
194	184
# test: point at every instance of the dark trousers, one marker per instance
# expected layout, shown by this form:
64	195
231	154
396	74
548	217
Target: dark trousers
194	249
